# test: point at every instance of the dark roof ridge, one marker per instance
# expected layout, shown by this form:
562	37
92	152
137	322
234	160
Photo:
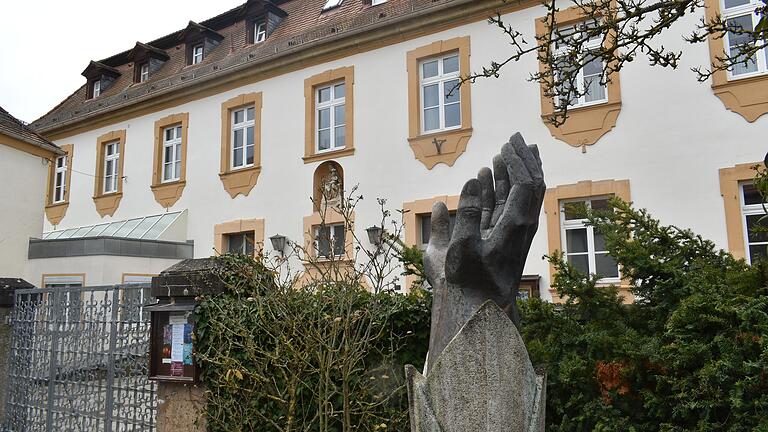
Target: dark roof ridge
149	48
96	66
18	129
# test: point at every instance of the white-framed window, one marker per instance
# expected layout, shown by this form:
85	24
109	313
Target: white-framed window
172	153
584	248
134	298
440	94
144	72
330	240
243	121
96	88
71	301
241	243
377	2
741	14
259	32
60	179
330	4
330	117
197	54
588	77
111	166
752	210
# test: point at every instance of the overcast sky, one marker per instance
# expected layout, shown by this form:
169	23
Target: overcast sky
46	44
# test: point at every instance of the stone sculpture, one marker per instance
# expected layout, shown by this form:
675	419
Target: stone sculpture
478	376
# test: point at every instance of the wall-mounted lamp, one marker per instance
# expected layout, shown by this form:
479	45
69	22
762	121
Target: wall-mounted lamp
278	243
374	235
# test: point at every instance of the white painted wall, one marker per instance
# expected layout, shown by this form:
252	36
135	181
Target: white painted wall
99	270
671	138
22	201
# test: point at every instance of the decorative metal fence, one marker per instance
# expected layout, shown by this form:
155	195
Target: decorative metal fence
79	360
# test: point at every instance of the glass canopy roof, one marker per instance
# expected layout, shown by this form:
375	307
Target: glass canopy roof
148	228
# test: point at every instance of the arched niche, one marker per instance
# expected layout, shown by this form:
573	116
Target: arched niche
327	183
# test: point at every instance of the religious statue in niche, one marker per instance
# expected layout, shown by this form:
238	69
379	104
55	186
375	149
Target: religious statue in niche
331	188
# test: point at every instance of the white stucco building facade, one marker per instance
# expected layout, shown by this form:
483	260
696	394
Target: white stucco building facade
667	142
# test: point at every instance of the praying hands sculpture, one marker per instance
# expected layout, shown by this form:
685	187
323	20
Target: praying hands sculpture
483	260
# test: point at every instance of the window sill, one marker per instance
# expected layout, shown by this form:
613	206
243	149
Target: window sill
316	157
55	212
106	204
586	124
453	142
166	194
240	180
744	96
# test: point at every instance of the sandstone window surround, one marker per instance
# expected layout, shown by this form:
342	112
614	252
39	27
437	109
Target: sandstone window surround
108	177
241	143
741	91
413	214
59	180
583	190
732	181
248	228
586	122
168	176
443	144
344	76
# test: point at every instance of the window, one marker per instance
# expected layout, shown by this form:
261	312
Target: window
740	15
752	210
425	225
588	77
377	2
96	90
259	31
583	247
172	154
330	4
242	137
197	54
330	240
440	95
111	166
144	72
331	117
60	180
134	297
439	113
169	171
241	243
70	300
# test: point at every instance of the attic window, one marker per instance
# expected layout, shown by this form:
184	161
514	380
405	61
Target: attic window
259	31
143	72
197	54
330	4
96	89
377	2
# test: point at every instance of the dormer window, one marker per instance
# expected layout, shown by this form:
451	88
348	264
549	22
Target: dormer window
377	2
259	31
144	72
197	54
330	4
100	77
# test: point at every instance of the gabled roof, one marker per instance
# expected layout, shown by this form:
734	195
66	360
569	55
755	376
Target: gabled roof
259	6
96	68
141	51
305	27
15	128
193	29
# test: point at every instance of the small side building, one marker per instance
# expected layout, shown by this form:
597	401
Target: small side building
25	159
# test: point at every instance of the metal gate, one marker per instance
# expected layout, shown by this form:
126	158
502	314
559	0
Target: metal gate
79	360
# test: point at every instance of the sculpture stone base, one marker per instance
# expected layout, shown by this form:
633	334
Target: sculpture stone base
482	381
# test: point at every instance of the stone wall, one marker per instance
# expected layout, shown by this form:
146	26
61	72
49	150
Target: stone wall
180	407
